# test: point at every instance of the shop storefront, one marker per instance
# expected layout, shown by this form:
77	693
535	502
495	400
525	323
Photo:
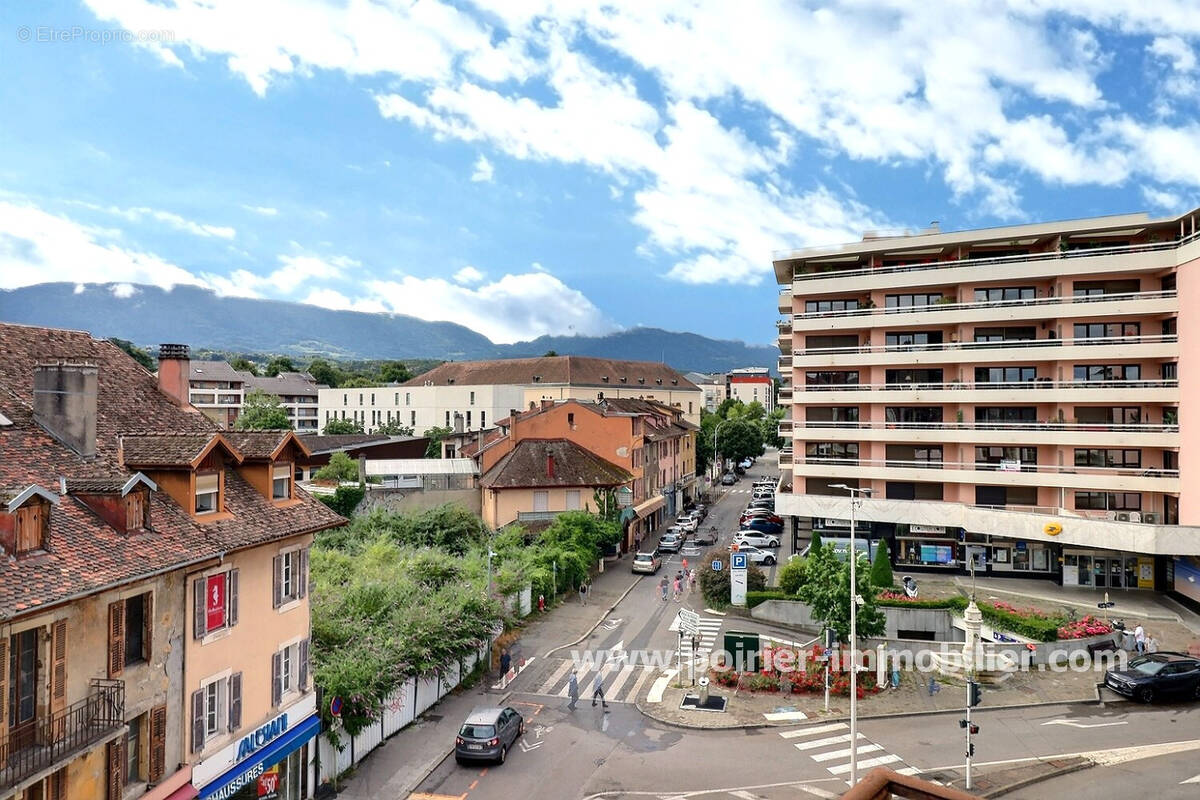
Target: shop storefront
272	762
926	546
1105	569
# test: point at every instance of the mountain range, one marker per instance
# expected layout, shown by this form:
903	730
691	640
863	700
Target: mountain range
149	315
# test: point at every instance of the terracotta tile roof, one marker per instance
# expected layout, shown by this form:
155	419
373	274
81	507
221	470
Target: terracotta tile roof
263	445
84	554
320	443
528	466
214	371
169	449
573	370
285	383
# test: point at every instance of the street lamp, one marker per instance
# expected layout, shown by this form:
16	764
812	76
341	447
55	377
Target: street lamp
717	471
854	501
490	556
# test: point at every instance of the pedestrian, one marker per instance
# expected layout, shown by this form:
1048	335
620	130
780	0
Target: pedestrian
541	602
572	691
685	569
598	688
505	663
662	587
1139	638
583	593
678	588
692	578
1151	644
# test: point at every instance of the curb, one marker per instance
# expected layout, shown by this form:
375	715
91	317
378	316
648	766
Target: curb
589	631
428	768
1164	616
1000	791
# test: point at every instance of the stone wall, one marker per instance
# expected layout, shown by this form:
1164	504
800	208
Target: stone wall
414	500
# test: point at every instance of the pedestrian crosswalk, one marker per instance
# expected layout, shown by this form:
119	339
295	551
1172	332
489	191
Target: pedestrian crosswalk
623	682
829	745
710	627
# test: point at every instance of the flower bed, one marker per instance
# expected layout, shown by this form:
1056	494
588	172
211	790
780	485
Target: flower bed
901	600
1030	623
1082	628
807	677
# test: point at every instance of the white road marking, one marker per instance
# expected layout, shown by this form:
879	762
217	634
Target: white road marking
815	743
1074	724
1118	755
637	687
813	790
558	676
832	754
742	794
623	676
799	732
783	716
660	686
1195	779
526	746
842	769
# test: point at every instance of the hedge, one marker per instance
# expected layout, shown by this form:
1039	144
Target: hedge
1037	628
956	603
755	598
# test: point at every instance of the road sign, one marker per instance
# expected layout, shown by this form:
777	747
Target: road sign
717	566
335	707
738	561
689	621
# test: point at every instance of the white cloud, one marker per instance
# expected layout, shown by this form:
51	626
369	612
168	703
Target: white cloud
285	281
1175	50
483	170
329	298
266	211
1162	199
168	218
36	246
124	290
468	275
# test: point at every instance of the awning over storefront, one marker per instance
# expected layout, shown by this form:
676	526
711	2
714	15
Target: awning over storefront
650	506
225	786
187	792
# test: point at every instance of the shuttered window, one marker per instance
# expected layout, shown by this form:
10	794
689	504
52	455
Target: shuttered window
116	639
135	511
58	666
235	701
31	527
3	685
56	785
157	762
281	482
291	577
208	491
214	603
115	769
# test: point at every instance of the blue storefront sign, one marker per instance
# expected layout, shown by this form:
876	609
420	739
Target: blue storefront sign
264	748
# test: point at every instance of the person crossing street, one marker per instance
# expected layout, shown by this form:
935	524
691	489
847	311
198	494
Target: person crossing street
598	688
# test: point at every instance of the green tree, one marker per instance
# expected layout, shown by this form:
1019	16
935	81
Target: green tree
791	576
436	434
881	567
393	429
324	372
714	584
704	440
606	504
770	428
550	354
278	364
138	354
262	412
337	426
394	372
738	439
244	365
826	589
814	543
341	467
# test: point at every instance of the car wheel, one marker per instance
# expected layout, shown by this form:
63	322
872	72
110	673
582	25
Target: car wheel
460	761
1146	695
1196	691
503	754
521	730
773	543
769	560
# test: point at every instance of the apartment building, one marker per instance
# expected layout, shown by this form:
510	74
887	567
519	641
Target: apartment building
218	390
751	385
118	498
1010	396
713	386
298	393
484	391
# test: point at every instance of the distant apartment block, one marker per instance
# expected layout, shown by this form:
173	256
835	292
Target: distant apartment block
751	385
713	386
297	392
1015	396
219	391
485	391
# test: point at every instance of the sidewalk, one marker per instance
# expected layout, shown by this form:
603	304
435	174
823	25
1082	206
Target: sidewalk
399	765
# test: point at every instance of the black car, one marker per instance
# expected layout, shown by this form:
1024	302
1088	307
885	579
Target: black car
1157	675
762	526
488	734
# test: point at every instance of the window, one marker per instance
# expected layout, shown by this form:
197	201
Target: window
396	399
913	376
1107	372
820	379
1100	288
447	419
1119	415
912	300
1016	334
289	671
571	421
913	339
573	500
1006	414
1170	327
1005	375
826	306
208	492
212	707
832	452
831	343
482	420
1006	495
137	510
468	419
921	456
1102	457
541	501
133	750
291	576
472	398
998	294
32	523
214	603
831	414
137	629
993	457
360	398
281	482
913	414
216	709
1108	501
345	399
408	398
1169	371
1106	330
412	418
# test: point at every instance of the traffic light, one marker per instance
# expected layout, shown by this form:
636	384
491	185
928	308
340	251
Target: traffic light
974	729
829	638
970	750
974	693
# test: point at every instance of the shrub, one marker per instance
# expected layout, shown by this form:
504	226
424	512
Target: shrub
791	576
1088	626
755	598
1027	622
901	600
344	499
881	569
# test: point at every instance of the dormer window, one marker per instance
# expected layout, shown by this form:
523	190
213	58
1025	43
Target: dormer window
281	482
137	511
32	526
208	493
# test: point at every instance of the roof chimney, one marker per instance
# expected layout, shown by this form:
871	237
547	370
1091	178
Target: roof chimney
549	466
547	404
64	404
458	422
174	372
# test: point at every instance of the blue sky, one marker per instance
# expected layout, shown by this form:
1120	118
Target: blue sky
530	166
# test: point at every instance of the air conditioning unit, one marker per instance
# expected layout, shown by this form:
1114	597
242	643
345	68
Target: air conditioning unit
1151	518
1135	516
1122	516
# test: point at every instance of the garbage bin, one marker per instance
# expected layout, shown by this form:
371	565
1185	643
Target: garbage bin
1127	641
703	684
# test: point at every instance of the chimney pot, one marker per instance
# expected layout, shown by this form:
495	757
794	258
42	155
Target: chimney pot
174	372
64	403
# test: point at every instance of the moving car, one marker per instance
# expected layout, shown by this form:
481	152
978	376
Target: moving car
766	502
762	526
746	463
754	554
647	563
756	539
487	735
670	543
729	479
1163	674
686	523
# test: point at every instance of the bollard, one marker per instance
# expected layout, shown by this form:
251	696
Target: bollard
703	684
881	676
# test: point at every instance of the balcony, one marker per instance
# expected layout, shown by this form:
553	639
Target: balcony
54	740
785	457
785	394
785	300
785	361
1148	391
1025	433
203	399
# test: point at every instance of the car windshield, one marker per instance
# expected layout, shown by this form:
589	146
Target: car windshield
470	731
1146	666
646	557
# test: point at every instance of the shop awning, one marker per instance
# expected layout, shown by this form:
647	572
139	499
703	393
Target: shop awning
186	792
246	771
650	506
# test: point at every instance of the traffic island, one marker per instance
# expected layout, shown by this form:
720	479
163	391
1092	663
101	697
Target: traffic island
703	700
989	783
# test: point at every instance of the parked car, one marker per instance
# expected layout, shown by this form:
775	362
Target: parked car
699	513
670	543
761	513
756	539
755	554
686	523
488	734
706	536
647	563
767	482
765	502
762	526
1153	675
763	492
729	479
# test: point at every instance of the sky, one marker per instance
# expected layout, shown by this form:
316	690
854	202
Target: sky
526	167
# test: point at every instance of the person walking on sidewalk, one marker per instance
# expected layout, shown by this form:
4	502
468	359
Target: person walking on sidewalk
1139	638
662	588
678	587
598	688
583	593
505	663
573	691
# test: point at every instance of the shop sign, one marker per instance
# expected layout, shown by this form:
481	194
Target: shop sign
262	736
1010	466
228	757
938	530
268	784
215	602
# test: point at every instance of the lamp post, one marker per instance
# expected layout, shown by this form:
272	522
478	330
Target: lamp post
717	464
854	501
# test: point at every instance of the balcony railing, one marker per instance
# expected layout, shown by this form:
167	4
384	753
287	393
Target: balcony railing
39	745
995	426
785	456
986	304
1023	258
538	516
1040	383
1047	469
1004	344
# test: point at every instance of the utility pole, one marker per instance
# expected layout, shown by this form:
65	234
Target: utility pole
974	695
854	501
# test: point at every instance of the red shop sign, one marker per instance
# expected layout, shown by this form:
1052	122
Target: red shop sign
215	603
268	784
